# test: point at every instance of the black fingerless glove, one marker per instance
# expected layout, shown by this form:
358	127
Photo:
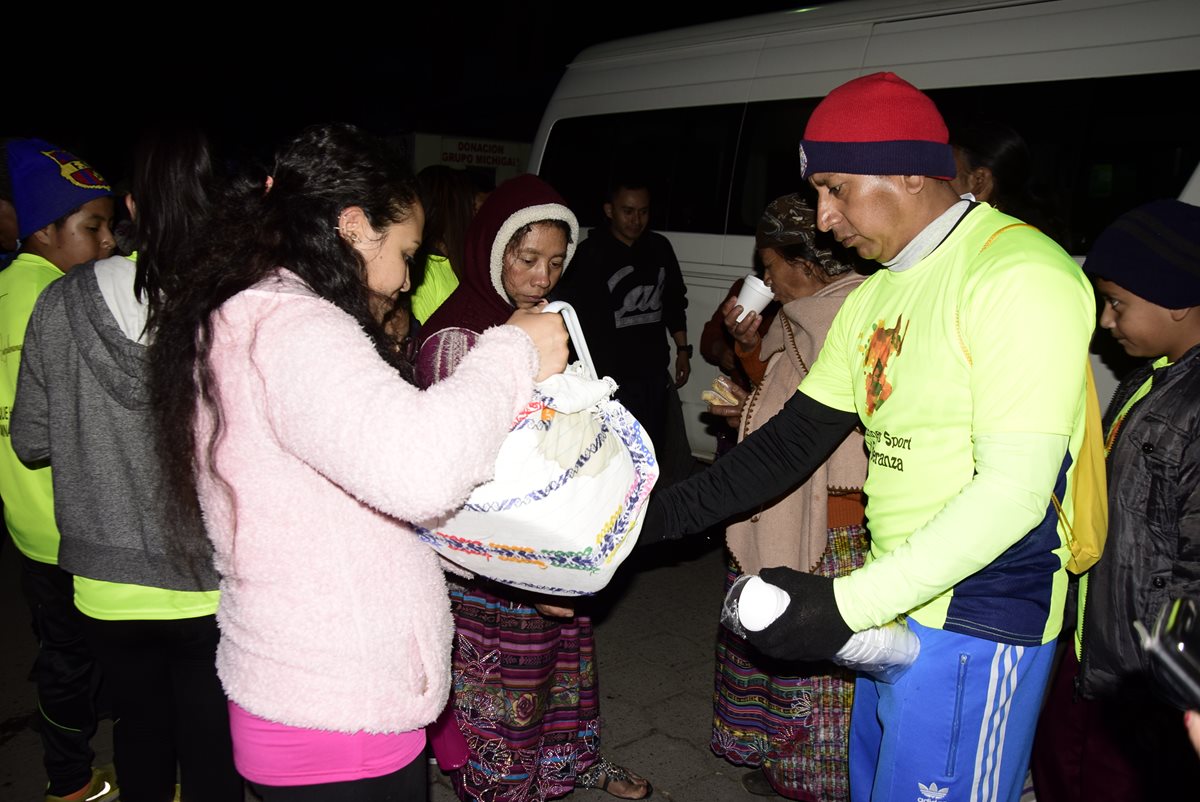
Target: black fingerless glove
811	628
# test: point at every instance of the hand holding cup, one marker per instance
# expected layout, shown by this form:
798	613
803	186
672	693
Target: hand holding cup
754	297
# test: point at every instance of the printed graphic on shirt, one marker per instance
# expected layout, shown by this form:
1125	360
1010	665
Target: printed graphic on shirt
9	350
642	304
878	349
887	449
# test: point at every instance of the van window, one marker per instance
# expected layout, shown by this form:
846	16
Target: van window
684	155
769	163
1100	146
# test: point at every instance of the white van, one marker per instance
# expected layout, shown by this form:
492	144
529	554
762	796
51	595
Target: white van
1102	90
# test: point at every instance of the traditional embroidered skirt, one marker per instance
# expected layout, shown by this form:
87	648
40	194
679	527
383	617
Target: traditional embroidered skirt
524	696
794	725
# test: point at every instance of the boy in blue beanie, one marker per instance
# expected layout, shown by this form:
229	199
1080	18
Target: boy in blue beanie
1122	740
64	212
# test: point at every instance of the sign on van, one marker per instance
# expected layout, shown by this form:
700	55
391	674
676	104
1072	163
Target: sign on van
500	158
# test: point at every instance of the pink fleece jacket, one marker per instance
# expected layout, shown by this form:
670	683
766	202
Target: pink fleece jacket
333	615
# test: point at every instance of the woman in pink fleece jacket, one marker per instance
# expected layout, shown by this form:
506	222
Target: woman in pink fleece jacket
285	415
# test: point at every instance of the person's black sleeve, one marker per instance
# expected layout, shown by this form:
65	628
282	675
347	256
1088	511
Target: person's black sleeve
772	460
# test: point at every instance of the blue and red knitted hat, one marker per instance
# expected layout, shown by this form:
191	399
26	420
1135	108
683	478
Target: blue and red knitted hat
878	124
48	182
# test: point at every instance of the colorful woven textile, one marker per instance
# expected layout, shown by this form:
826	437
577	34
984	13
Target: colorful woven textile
525	697
796	727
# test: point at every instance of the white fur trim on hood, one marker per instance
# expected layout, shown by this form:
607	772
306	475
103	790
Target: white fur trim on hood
519	219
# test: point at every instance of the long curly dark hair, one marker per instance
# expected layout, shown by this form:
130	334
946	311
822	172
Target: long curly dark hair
173	183
288	220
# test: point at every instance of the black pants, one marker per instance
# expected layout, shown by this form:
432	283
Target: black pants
409	784
171	713
646	399
65	674
654	401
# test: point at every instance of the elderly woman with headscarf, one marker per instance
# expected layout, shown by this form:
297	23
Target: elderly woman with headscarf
791	722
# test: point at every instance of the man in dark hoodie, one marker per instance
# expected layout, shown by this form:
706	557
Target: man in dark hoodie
626	285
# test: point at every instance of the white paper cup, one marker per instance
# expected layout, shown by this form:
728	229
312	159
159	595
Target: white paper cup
754	297
761	603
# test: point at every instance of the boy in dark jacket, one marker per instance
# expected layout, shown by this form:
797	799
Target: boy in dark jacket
1121	741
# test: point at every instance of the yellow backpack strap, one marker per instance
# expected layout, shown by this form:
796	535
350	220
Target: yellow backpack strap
1000	231
1087	528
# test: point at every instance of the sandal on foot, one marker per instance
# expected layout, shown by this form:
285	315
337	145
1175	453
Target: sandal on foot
756	782
603	772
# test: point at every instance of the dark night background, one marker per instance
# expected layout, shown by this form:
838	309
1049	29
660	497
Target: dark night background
469	70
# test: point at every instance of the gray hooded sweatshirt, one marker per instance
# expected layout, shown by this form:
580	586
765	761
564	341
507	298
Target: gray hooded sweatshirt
82	405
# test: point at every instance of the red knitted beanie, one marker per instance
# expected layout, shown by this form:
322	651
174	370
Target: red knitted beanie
878	124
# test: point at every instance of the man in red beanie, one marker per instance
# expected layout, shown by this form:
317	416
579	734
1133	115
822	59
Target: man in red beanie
964	361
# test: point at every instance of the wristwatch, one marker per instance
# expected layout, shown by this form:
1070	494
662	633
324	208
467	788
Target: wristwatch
684	349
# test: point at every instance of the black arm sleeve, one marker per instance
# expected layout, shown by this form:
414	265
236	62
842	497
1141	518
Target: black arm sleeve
773	459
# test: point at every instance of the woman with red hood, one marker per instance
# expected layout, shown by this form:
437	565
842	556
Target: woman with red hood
524	689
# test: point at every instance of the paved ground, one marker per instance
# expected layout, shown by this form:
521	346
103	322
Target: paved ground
655	637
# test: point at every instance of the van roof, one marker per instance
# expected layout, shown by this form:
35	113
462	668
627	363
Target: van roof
806	52
802	18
